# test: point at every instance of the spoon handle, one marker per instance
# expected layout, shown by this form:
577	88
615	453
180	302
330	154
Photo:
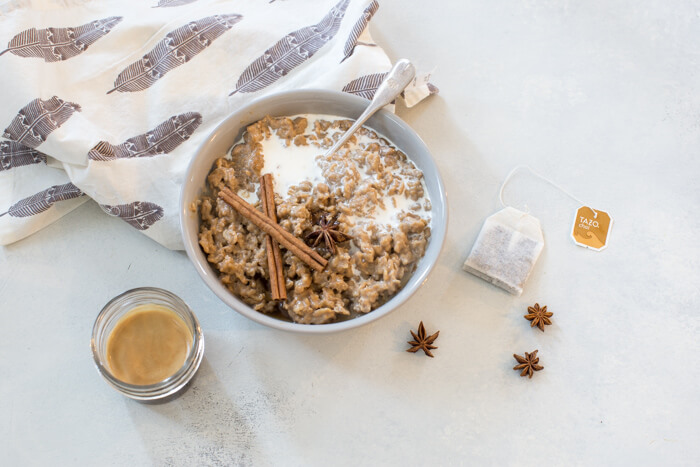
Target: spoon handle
396	81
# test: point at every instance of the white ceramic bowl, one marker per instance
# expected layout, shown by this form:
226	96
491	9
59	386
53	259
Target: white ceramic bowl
317	102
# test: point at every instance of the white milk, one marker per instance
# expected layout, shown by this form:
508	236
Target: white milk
292	164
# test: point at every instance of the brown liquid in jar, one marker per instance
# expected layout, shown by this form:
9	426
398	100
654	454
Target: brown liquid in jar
147	345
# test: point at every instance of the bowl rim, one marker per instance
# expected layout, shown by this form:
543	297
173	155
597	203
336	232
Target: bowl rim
191	241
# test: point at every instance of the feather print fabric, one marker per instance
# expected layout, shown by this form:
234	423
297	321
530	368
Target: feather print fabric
359	27
57	44
140	214
365	86
178	47
161	140
36	120
171	3
290	52
17	155
110	101
43	200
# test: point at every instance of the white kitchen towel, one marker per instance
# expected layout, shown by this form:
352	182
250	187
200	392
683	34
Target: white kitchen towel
109	99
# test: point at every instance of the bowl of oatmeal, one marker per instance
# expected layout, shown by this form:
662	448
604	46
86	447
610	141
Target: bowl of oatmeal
375	212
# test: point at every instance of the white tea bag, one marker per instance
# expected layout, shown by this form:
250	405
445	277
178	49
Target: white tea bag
506	249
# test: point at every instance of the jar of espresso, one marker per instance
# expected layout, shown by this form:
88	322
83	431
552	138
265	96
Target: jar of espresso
147	343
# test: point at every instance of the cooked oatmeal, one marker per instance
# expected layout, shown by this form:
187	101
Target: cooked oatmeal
376	193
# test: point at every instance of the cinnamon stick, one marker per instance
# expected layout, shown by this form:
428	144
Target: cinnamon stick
270	245
269	189
274	256
286	239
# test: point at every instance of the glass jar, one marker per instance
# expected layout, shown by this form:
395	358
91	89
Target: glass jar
120	306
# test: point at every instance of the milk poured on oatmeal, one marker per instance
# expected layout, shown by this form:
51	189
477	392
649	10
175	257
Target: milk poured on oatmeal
370	188
291	164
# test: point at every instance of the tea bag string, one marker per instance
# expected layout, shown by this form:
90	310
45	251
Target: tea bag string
541	177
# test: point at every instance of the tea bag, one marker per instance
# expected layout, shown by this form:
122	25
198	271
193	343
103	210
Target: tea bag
506	249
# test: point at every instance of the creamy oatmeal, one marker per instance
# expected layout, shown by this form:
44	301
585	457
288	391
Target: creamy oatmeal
373	190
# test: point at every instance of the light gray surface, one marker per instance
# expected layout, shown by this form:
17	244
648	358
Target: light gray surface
602	97
310	102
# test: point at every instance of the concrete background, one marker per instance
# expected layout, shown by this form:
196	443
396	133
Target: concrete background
601	96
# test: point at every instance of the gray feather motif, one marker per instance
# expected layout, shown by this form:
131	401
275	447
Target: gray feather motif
169	3
16	155
290	51
178	47
43	200
365	86
57	44
36	120
139	214
163	139
358	28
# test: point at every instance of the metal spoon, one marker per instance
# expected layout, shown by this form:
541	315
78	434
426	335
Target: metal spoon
396	81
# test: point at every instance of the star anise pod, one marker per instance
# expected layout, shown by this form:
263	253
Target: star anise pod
528	363
538	316
328	231
421	342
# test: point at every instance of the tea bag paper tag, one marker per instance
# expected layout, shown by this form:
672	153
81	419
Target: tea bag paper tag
591	228
506	249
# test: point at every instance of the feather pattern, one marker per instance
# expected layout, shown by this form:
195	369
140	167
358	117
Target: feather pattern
57	44
358	28
178	47
36	120
169	3
16	155
290	51
139	214
365	86
163	139
43	200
